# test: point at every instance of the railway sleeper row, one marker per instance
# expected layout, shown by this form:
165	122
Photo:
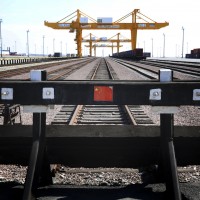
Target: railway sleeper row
140	116
11	114
64	115
102	114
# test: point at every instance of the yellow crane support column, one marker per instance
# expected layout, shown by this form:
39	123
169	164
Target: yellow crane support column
95	51
91	44
79	41
79	34
134	30
133	38
118	42
103	46
112	48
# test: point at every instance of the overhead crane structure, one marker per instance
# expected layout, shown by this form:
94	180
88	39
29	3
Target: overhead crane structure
94	41
73	22
101	45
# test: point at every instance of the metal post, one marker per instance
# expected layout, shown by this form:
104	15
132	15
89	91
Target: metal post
187	47
152	47
53	45
43	45
35	49
183	42
1	37
61	47
27	195
167	146
38	172
27	44
164	46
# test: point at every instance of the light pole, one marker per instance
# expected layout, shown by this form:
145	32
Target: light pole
27	44
35	49
15	47
53	45
1	37
176	51
164	46
61	47
43	45
152	47
183	42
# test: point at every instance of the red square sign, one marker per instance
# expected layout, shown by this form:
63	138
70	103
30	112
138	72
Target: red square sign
103	93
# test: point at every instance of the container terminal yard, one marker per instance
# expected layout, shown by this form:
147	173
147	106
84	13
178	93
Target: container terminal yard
121	126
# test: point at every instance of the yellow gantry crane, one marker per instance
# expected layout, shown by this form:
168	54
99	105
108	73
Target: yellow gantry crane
101	45
81	23
93	39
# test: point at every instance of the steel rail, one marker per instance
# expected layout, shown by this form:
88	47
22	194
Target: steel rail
66	70
182	69
79	108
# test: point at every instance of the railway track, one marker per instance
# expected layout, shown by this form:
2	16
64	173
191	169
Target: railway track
178	63
61	66
185	68
63	69
101	114
150	69
96	114
62	73
141	70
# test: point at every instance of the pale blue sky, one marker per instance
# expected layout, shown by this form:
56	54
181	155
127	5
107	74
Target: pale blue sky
21	15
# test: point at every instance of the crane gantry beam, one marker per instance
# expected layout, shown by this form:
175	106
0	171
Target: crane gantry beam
145	24
94	46
93	40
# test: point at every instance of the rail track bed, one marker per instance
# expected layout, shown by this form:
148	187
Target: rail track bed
102	114
102	136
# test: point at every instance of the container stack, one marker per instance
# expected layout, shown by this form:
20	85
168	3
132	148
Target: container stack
195	53
136	54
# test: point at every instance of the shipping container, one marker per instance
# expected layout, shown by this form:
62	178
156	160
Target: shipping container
103	38
104	20
84	20
136	54
73	55
195	53
147	54
188	55
71	30
57	54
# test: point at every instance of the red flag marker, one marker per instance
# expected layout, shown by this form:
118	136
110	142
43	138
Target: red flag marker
103	93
